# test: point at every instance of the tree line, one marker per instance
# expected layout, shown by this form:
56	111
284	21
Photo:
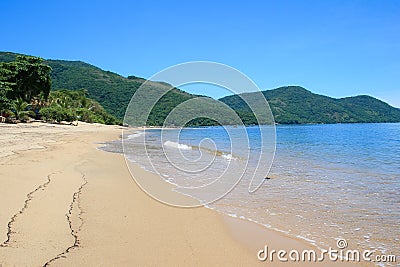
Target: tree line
25	94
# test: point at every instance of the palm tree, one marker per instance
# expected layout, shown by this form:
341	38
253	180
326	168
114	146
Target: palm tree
61	99
37	103
20	109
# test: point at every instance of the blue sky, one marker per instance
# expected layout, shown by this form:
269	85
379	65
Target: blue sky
336	48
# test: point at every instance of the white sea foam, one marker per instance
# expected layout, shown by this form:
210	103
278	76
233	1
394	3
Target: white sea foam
171	181
312	241
177	145
228	156
134	135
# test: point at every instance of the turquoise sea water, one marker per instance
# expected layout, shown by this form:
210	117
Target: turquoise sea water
327	181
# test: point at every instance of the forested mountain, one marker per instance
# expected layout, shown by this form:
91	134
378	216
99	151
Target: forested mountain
291	104
294	104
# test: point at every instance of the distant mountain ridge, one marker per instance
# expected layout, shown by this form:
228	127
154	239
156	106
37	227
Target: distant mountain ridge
296	105
290	104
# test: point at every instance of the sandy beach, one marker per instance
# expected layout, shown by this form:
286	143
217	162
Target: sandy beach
65	203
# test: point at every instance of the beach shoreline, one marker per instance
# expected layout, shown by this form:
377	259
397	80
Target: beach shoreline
64	202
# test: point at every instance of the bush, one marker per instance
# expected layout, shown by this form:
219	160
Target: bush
58	114
65	105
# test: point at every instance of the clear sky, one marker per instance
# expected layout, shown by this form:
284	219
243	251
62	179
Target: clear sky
336	48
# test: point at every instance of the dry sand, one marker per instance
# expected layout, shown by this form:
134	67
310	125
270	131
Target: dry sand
65	203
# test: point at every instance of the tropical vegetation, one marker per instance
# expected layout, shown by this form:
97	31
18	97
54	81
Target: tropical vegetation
20	109
68	105
25	85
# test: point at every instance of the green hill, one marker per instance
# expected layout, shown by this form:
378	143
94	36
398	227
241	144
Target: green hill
111	90
294	104
291	104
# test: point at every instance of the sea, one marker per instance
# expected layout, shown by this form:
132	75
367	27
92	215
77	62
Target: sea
319	183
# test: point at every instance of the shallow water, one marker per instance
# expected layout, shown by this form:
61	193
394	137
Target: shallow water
328	181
